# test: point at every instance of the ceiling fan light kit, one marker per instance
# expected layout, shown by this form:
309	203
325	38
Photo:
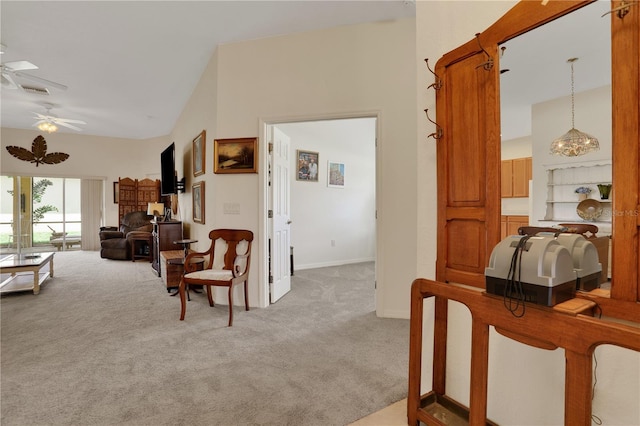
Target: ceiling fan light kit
47	127
11	71
49	123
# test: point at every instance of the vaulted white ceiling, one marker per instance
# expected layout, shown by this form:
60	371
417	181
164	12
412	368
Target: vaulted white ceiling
130	66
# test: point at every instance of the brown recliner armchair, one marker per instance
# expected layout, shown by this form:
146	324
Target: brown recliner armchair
116	244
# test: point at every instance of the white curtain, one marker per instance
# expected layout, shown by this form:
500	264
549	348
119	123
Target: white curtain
91	210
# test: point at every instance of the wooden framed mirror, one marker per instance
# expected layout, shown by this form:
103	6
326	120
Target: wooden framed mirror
468	111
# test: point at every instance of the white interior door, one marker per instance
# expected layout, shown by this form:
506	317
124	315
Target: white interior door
280	223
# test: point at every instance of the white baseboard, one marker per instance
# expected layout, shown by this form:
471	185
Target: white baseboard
396	314
330	263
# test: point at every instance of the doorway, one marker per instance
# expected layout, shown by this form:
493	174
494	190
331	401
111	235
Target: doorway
332	217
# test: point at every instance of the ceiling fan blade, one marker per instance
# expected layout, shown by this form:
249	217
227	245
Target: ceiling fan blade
7	81
39	122
41	80
67	120
69	126
20	65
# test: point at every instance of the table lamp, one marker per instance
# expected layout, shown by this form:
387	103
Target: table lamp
155	209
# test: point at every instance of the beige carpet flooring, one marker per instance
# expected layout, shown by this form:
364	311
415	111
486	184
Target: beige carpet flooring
102	345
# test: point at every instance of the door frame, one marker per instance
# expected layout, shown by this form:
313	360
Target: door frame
263	229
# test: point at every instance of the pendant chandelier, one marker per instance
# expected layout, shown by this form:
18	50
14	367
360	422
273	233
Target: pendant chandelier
574	142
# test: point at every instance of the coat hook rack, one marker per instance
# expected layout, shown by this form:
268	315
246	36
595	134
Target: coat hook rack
438	133
621	10
438	83
502	49
488	64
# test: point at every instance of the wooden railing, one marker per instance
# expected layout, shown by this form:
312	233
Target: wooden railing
562	326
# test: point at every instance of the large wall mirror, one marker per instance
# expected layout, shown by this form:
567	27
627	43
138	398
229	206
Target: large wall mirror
488	114
536	107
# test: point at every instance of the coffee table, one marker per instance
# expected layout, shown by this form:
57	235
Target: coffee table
21	266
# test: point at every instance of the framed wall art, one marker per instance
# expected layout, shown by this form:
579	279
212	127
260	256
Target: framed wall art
335	174
197	196
238	155
307	167
116	192
198	148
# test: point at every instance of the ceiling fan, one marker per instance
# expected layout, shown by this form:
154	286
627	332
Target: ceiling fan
49	123
11	70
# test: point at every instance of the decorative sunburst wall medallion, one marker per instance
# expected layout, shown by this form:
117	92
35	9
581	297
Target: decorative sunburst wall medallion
38	153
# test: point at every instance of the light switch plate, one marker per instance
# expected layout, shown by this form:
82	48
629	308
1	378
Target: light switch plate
231	208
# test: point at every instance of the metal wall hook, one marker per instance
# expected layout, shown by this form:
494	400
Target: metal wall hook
488	64
438	133
438	83
502	49
622	10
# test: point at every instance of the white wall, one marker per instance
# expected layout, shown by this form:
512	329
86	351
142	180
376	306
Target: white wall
200	113
349	71
89	157
516	148
346	71
334	226
525	384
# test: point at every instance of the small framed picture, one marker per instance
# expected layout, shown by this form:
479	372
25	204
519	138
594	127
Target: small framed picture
116	192
307	167
198	202
335	174
238	155
199	157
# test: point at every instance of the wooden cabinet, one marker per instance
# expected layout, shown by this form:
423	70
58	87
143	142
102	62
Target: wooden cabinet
506	178
515	177
164	234
521	176
509	224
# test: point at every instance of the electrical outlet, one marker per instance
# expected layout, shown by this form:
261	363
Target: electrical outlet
333	243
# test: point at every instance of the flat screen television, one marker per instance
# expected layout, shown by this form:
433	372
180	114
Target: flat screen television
168	180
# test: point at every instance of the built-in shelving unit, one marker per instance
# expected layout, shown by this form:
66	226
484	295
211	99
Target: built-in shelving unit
562	181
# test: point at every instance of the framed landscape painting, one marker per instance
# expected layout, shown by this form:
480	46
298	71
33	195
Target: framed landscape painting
238	155
307	167
198	148
335	174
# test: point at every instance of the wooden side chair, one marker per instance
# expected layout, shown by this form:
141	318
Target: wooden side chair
226	265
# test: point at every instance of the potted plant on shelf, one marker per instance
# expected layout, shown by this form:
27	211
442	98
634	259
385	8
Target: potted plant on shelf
604	189
583	192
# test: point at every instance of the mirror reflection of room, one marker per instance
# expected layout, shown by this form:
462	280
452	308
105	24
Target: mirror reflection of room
541	99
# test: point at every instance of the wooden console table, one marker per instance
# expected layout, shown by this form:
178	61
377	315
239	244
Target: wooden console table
562	326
